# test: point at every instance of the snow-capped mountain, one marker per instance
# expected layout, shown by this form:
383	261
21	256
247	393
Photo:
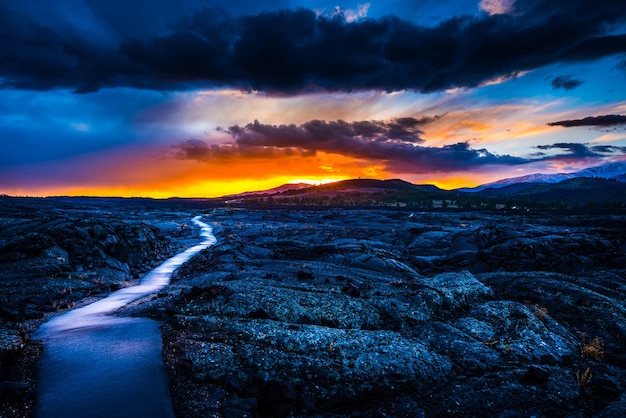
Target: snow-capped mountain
607	171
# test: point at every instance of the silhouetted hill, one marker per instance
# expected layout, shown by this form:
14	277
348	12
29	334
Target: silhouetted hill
365	184
280	189
354	192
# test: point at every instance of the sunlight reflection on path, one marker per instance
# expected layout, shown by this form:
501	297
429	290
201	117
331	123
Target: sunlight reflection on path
95	314
95	365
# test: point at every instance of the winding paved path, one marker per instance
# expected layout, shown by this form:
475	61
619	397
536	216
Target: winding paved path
96	365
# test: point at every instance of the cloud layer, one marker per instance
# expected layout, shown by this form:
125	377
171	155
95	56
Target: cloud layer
291	51
577	151
602	121
565	82
394	144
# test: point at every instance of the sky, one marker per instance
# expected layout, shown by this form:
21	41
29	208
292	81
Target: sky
201	98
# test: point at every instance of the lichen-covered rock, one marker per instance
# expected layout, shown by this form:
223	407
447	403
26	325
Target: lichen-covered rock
291	304
518	331
469	354
10	341
458	290
330	364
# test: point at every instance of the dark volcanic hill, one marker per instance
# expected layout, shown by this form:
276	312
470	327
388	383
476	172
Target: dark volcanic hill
572	193
354	192
280	189
370	184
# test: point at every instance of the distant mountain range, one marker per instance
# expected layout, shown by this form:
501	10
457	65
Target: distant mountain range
602	186
615	171
578	190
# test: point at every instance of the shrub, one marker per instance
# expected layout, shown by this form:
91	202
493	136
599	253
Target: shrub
591	348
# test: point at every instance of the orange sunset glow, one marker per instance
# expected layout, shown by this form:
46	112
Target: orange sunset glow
164	117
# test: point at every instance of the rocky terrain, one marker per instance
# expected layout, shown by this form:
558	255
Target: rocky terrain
342	313
339	313
59	253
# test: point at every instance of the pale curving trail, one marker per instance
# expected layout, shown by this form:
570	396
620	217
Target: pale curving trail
97	365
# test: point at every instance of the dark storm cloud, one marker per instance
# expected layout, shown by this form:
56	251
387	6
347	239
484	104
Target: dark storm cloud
581	151
391	143
193	149
565	82
602	121
330	134
607	149
198	150
291	51
573	150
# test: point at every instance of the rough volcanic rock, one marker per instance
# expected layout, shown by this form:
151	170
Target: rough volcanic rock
18	360
340	313
56	252
50	259
365	313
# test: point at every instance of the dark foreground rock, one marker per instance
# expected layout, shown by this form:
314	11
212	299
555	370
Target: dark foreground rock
55	254
364	313
338	313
